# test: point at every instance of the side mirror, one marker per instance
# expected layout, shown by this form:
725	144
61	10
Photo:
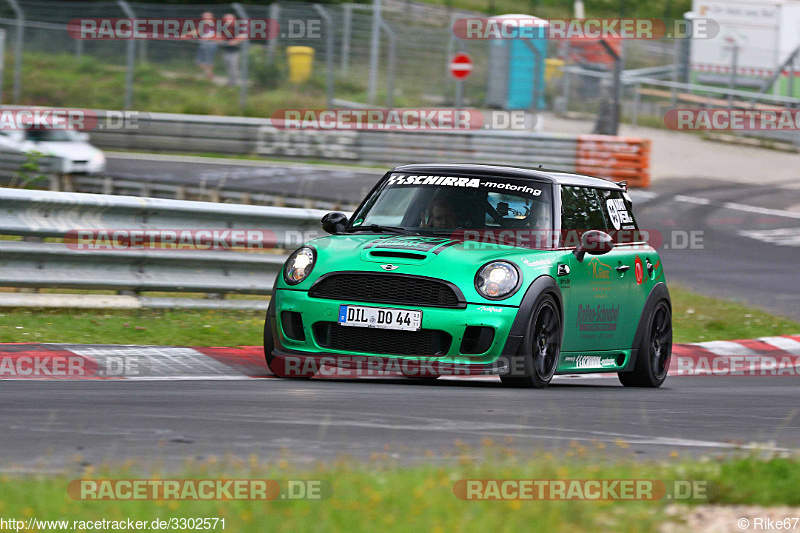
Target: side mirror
593	242
334	222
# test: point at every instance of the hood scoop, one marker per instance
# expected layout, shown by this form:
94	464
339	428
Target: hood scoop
383	255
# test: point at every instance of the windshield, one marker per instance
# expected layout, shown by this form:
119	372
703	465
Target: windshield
444	204
42	135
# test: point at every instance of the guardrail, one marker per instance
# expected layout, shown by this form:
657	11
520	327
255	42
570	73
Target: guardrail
608	157
12	163
661	95
41	216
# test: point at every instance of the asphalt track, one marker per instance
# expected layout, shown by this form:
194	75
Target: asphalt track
46	424
183	402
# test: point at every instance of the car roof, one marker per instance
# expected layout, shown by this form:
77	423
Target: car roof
554	176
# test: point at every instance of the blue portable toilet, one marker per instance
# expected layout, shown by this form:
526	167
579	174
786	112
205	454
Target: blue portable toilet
514	67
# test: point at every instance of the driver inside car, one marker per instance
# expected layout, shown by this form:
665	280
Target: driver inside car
440	213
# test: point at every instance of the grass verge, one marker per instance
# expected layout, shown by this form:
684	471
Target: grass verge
695	318
383	494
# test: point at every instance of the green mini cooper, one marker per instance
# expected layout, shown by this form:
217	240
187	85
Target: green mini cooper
476	269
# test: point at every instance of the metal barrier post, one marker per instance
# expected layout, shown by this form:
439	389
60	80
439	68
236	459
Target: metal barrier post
346	30
328	52
18	48
374	52
245	53
274	14
392	58
123	5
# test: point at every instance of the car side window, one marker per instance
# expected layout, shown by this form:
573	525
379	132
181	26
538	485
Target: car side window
618	211
581	209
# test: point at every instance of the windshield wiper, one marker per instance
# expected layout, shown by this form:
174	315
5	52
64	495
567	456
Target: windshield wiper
377	228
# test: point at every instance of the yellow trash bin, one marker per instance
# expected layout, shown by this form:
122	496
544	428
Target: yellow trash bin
552	68
301	59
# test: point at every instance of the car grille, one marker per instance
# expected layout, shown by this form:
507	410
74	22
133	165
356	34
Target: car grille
425	342
387	288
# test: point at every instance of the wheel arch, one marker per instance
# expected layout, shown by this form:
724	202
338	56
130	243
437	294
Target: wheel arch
544	284
658	293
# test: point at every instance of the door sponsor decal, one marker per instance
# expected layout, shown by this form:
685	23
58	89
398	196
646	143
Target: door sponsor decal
617	212
593	361
598	269
597	318
638	269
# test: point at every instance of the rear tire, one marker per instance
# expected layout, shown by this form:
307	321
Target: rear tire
655	350
278	365
538	355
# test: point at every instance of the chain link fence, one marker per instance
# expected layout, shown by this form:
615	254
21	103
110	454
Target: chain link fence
44	65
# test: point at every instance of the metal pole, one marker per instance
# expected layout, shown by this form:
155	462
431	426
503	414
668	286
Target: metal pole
18	48
451	47
245	52
328	52
374	52
734	65
392	60
459	82
274	14
78	47
347	28
2	59
123	5
675	67
637	98
790	88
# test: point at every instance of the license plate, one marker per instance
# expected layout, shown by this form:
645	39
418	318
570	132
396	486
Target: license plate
379	317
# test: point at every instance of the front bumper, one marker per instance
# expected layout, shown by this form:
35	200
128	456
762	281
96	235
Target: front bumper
452	322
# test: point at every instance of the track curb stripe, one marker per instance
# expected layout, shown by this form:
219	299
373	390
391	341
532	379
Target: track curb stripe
766	356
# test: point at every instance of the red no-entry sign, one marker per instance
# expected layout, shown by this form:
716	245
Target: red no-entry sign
460	66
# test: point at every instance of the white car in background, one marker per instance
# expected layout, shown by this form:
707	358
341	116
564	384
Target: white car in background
73	146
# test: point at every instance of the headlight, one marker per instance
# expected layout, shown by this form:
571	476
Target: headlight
98	159
299	265
497	280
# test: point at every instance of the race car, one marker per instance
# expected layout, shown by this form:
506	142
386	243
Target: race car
477	269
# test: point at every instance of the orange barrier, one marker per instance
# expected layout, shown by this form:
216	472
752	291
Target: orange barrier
615	158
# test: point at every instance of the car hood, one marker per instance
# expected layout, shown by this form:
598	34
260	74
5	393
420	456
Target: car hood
72	150
453	260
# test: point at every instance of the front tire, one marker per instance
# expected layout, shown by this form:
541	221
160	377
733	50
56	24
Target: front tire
276	365
655	350
537	358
